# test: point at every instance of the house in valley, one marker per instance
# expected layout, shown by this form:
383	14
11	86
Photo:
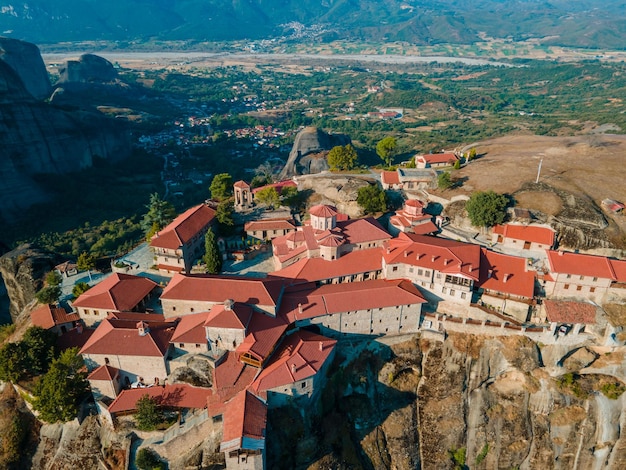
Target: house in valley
524	237
268	229
181	242
411	218
435	160
53	318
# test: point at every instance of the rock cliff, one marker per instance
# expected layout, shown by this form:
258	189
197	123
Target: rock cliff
308	154
23	271
340	191
88	68
25	60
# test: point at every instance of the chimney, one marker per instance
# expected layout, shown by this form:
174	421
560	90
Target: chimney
561	252
406	253
445	262
470	268
293	368
388	250
489	273
79	329
434	258
228	304
142	328
460	264
506	277
321	345
300	309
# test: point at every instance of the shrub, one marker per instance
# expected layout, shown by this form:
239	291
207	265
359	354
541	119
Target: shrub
148	415
483	453
458	457
612	390
147	459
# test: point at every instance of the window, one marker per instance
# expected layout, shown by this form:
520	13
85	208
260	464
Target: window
106	361
197	345
595	279
579	287
420	272
452	291
173	309
181	345
96	312
566	286
395	268
444	290
568	276
427	273
582	277
438	275
592	289
463	295
191	309
411	269
303	384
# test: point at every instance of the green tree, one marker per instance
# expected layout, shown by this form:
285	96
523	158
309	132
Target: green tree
80	288
48	295
342	157
53	278
148	459
60	390
457	164
221	186
412	163
444	181
160	213
386	149
372	198
486	208
224	216
40	347
148	415
472	154
86	262
212	258
12	362
268	197
13	441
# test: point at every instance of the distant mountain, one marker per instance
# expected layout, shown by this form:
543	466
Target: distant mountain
580	23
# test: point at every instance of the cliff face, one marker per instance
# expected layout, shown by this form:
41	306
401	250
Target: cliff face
36	137
23	271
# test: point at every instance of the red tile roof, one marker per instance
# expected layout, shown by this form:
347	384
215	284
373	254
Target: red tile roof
214	288
363	230
237	317
190	329
529	233
317	269
170	396
229	378
278	186
48	316
270	224
244	416
351	296
263	334
300	356
121	337
439	158
323	210
619	268
241	184
506	274
446	256
580	264
104	372
390	177
184	227
74	338
116	292
570	312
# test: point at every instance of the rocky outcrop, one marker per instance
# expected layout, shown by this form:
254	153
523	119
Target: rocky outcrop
23	271
88	68
340	191
25	60
308	154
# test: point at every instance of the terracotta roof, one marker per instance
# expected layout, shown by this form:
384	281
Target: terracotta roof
389	177
214	288
619	268
138	316
48	316
117	292
121	337
580	264
170	267
317	269
425	228
439	158
66	267
245	416
506	274
104	372
570	312
323	210
74	338
416	203
237	317
270	224
170	396
529	233
263	334
363	230
184	227
229	378
190	329
300	356
446	256
332	241
241	184
278	186
351	296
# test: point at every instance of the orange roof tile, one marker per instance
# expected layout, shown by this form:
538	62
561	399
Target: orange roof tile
74	338
184	227
323	210
351	296
121	337
580	264
263	333
390	177
190	329
619	268
214	288
363	230
241	184
269	224
104	372
317	269
238	317
506	274
230	377
529	233
48	316
439	158
117	292
245	416
300	356
570	312
446	256
170	396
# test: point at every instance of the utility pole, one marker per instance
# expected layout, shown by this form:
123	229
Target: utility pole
539	171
